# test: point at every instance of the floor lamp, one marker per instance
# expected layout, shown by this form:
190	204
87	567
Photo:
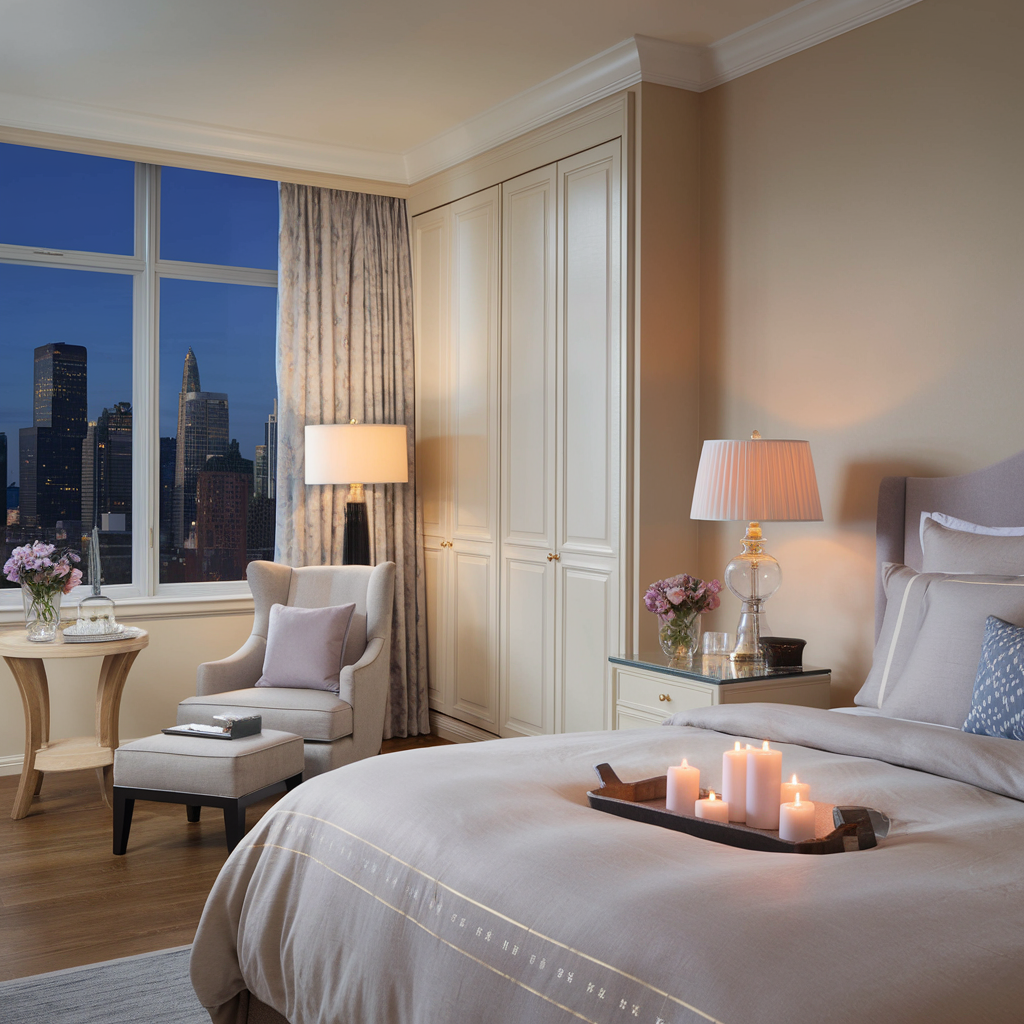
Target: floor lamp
356	454
755	481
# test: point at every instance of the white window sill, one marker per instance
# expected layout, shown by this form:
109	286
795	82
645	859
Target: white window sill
135	608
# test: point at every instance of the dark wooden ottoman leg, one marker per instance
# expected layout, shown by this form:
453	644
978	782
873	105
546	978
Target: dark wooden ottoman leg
234	824
123	808
192	811
293	781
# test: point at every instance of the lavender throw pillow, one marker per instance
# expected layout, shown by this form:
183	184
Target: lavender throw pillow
305	646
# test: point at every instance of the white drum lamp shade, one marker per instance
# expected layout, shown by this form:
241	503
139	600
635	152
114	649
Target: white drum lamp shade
755	481
357	453
761	480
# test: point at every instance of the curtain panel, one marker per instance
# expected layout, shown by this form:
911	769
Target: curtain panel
345	352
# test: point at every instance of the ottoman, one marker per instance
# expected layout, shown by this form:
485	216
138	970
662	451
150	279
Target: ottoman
201	772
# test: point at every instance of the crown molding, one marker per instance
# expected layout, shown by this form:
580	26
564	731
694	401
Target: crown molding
641	58
790	31
125	128
599	76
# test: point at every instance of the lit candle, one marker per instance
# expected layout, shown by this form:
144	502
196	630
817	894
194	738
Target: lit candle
796	821
792	788
682	788
712	808
734	782
764	784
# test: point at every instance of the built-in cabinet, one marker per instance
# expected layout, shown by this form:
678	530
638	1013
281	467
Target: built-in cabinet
519	420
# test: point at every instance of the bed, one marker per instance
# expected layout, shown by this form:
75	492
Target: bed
473	883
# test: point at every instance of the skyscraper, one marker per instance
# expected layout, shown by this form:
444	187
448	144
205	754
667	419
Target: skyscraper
270	440
202	431
50	451
260	482
224	489
107	467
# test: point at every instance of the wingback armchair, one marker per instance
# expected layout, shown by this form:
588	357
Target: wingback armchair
336	728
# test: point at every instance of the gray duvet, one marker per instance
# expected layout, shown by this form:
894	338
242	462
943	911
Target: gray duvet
472	883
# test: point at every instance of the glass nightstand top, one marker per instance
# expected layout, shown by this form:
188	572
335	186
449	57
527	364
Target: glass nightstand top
717	668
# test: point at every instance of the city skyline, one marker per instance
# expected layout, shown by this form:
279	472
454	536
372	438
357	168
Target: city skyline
232	333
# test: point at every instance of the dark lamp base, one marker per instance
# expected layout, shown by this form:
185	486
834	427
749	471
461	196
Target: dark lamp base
356	546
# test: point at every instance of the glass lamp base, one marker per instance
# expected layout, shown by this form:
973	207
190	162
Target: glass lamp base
749	630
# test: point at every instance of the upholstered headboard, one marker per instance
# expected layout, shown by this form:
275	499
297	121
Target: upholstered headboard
991	497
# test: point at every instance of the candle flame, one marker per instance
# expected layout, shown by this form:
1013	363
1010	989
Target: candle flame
737	747
764	746
797	800
793	780
711	795
684	764
749	747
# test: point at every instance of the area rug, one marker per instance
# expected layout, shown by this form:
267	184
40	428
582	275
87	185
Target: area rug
151	988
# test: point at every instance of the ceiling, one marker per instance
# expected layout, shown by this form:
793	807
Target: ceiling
380	76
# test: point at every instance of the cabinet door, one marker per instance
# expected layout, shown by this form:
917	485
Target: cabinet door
589	441
431	288
528	487
473	431
430	246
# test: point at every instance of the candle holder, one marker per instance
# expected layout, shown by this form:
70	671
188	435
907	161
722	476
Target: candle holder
854	827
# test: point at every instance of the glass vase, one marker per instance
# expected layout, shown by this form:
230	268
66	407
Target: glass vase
42	611
680	638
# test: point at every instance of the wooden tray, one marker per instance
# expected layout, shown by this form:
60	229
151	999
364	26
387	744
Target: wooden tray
645	801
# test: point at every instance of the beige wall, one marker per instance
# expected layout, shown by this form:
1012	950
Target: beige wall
667	339
163	674
863	285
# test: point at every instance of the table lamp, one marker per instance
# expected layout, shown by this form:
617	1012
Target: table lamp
356	454
756	481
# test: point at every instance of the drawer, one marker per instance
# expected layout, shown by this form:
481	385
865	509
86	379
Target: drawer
659	694
627	718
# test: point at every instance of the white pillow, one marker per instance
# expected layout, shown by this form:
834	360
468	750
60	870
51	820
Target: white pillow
963	526
955	551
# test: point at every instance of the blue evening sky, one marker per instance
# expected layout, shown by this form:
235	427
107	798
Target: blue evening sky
69	201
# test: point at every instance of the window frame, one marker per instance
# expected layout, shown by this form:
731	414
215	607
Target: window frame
145	594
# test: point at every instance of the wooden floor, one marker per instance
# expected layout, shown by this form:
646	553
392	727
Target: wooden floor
66	900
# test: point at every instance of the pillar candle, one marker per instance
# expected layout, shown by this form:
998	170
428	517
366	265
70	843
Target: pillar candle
682	788
796	821
764	784
790	790
712	809
734	782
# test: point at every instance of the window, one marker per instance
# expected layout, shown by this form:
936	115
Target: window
137	336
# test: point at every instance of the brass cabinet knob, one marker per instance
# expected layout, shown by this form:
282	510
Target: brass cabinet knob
553	558
664	696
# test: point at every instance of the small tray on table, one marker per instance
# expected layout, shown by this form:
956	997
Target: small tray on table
645	801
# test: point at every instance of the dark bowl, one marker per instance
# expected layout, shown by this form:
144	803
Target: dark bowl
783	651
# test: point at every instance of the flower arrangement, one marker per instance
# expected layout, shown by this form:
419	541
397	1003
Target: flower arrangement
44	574
678	602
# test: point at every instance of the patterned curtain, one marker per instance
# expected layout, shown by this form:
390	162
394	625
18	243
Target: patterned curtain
344	352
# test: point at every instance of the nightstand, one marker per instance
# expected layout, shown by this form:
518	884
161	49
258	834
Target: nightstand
646	694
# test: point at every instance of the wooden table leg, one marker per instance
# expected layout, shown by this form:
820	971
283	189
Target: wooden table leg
113	675
30	675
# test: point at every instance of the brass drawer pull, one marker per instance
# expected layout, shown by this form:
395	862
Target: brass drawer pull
664	696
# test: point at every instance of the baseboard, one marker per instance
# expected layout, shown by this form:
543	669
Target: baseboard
456	731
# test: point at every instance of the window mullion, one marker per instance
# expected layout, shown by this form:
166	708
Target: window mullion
146	462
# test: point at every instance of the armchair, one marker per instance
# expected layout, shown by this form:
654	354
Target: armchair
335	729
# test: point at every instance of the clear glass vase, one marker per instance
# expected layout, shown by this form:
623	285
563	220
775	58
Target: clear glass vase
42	611
680	638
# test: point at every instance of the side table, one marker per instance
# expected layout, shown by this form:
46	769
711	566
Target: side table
26	662
646	694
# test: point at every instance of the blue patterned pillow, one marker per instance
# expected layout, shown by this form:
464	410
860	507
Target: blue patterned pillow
997	708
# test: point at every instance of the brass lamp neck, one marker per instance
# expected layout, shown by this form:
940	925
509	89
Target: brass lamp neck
355	492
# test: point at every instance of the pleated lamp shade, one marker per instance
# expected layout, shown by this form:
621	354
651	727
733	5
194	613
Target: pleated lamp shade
760	480
350	453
